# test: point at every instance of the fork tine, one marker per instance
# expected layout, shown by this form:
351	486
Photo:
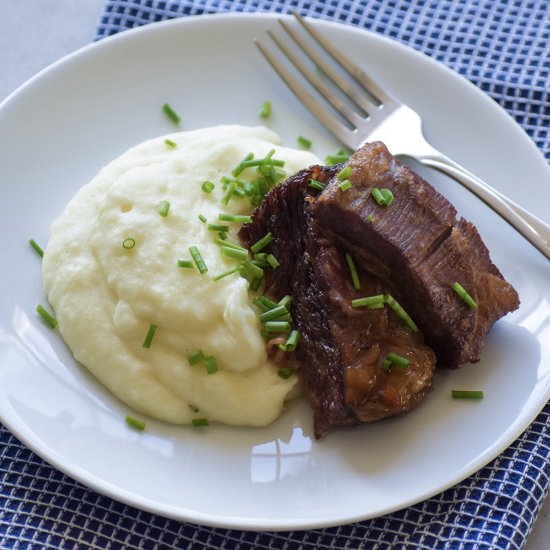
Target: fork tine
346	86
381	96
348	114
340	130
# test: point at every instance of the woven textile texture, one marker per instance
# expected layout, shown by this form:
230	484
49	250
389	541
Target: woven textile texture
503	46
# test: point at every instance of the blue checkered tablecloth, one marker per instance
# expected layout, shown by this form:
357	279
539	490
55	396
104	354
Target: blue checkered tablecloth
503	46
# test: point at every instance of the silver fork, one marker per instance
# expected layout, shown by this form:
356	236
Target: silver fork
373	113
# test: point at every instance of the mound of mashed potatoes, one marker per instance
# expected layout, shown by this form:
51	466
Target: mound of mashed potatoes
106	296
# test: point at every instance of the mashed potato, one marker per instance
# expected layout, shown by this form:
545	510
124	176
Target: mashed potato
106	296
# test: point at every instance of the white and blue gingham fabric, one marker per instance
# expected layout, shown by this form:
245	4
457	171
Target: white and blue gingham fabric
503	46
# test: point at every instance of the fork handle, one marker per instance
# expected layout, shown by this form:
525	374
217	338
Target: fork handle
532	228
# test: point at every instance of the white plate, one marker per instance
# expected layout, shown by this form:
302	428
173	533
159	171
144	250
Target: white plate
63	125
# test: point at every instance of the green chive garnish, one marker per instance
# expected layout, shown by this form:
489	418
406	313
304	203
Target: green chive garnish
34	244
262	243
292	341
344	174
226	273
400	312
200	422
228	193
229	244
195	357
186	264
277	326
344	185
170	143
339	157
253	270
273	314
285	372
264	303
373	302
128	243
46	316
272	261
211	365
286	301
383	197
467	394
265	111
459	289
134	423
317	185
397	360
164	206
353	272
304	142
234	253
197	258
218	227
149	336
234	218
369	218
171	114
202	218
207	186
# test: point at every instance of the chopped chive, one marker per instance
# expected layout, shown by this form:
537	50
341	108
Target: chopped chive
344	185
285	372
197	258
202	218
171	114
331	160
386	365
46	316
383	197
239	168
388	196
223	235
35	245
317	185
376	301
291	342
272	261
185	264
353	272
252	269
134	423
344	174
272	314
149	336
197	422
234	218
286	301
377	195
304	142
170	143
228	193
233	253
262	243
128	243
400	312
164	206
211	365
398	360
195	357
207	186
256	283
264	303
277	326
369	218
229	244
265	110
218	227
459	289
226	273
467	394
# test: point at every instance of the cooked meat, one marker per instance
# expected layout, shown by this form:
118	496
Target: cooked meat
342	349
418	248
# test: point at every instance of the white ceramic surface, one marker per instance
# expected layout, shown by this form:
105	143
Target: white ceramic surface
63	125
